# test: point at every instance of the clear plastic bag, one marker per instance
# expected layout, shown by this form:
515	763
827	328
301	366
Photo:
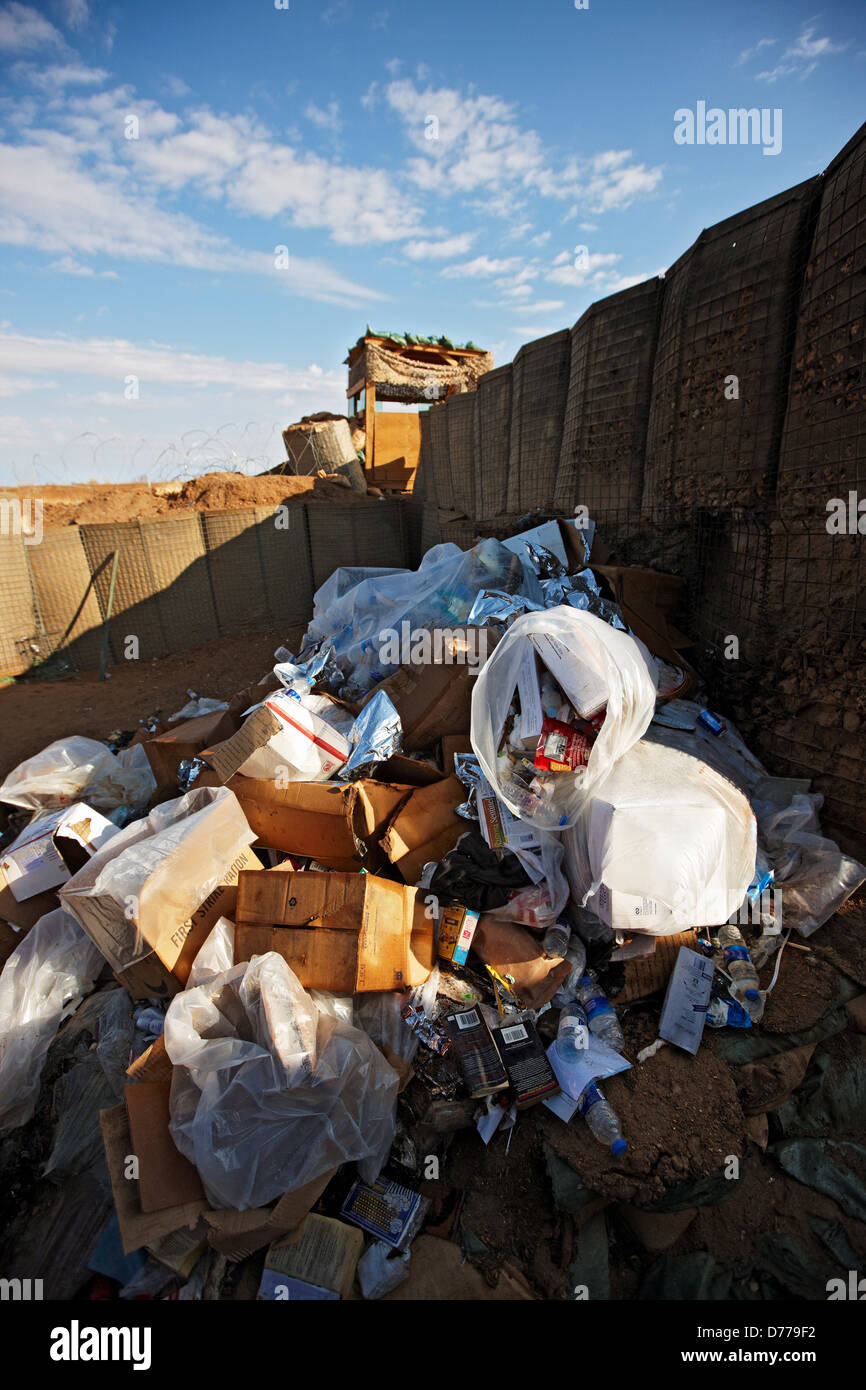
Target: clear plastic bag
616	665
43	981
664	843
80	769
814	876
268	1093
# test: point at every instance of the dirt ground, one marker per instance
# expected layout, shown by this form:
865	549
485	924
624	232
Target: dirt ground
33	713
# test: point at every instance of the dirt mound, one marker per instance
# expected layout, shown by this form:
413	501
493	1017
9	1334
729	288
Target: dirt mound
212	492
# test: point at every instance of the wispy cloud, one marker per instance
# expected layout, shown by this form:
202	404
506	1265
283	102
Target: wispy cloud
749	53
25	30
803	56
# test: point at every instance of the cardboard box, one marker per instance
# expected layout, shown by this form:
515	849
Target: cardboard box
645	975
165	1177
648	599
52	848
451	744
435	700
186	739
349	933
339	824
23	916
456	930
235	1234
425	827
317	1262
151	938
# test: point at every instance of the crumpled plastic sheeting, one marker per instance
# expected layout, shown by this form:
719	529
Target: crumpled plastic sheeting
623	667
439	594
829	1166
43	981
80	769
268	1093
815	877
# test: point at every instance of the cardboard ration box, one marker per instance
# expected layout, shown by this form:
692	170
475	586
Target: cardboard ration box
149	898
316	1262
456	930
166	751
52	848
348	933
338	824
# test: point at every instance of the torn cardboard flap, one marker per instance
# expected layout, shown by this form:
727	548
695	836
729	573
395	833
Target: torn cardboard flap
186	739
348	933
434	700
339	825
425	827
225	758
165	1177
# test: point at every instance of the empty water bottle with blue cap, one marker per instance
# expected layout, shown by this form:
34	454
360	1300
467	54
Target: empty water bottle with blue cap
572	1034
600	1014
599	1114
740	970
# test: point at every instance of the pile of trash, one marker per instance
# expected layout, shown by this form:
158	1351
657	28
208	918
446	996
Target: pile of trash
474	861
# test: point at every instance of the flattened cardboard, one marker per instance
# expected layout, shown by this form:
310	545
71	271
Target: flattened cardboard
648	599
186	739
137	1228
235	1234
512	950
451	744
258	729
434	700
165	1177
349	933
425	827
339	825
322	1253
646	974
24	915
407	772
154	1064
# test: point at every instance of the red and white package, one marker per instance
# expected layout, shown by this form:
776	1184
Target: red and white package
561	747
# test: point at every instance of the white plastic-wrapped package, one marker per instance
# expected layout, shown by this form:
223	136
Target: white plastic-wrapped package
269	1093
43	981
305	749
70	767
596	666
664	843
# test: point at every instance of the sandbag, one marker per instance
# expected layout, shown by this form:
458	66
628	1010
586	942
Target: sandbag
664	843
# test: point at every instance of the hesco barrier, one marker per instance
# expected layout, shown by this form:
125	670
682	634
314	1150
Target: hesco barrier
601	459
460	417
539	385
492	441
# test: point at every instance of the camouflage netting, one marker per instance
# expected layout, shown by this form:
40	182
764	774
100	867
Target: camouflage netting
391	368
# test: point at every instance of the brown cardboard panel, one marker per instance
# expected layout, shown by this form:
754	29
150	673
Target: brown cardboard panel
451	744
341	932
647	974
410	772
431	701
339	825
25	915
137	1228
512	950
154	1064
648	598
186	739
165	1177
322	1251
425	827
237	1234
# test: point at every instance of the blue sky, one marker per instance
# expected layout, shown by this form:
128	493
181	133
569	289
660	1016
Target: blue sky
434	168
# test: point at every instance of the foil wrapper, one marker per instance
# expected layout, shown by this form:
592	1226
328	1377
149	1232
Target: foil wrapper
496	606
188	771
467	770
376	734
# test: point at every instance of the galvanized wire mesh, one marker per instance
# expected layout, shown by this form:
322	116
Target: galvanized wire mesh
460	417
492	441
539	386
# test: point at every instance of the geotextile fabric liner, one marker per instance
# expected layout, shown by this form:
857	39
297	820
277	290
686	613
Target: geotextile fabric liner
539	388
61	577
19	621
728	311
460	416
607	406
350	534
492	441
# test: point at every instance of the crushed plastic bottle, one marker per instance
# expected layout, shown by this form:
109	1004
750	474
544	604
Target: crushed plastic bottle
743	975
556	939
572	1034
576	957
596	1109
600	1014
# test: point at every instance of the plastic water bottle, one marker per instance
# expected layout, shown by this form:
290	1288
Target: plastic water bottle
600	1015
556	938
738	963
596	1109
572	1035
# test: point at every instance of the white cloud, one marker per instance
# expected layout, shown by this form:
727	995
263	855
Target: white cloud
566	272
11	385
439	250
112	359
803	56
539	306
748	53
24	30
175	86
75	13
68	266
481	265
326	118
